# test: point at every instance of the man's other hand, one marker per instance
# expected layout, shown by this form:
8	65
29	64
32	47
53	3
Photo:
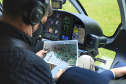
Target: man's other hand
41	52
60	72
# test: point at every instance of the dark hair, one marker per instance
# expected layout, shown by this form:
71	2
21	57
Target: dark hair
16	7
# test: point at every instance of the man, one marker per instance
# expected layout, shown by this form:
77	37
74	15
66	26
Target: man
19	65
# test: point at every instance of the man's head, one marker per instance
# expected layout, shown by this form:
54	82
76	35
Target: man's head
31	11
13	11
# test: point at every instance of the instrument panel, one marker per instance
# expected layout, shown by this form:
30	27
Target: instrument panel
64	26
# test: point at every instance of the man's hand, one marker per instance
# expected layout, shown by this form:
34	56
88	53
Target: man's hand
41	52
60	72
119	71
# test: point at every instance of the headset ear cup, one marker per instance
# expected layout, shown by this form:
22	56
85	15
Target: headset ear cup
33	13
36	15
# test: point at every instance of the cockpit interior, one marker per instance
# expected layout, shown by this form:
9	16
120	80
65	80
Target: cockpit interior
64	25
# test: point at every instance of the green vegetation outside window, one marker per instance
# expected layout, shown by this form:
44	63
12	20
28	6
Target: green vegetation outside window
105	12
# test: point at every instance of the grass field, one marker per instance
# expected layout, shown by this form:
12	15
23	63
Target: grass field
106	13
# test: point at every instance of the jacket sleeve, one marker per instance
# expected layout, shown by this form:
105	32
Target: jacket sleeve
28	68
108	73
76	75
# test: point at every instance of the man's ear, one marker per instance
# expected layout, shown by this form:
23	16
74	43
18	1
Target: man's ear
34	28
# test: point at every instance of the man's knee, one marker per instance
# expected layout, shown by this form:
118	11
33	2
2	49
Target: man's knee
85	57
86	61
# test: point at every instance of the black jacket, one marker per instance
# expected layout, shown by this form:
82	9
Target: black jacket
20	65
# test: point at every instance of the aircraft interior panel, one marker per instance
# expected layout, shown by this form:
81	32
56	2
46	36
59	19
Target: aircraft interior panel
64	26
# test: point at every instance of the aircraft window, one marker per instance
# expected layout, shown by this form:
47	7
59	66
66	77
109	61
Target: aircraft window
105	12
69	7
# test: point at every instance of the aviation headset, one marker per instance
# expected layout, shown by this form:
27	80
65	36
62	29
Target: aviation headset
34	11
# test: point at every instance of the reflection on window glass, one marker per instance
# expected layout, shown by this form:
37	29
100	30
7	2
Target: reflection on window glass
105	12
69	7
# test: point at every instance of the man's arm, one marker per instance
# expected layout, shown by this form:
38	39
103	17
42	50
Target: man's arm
119	72
77	75
114	73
